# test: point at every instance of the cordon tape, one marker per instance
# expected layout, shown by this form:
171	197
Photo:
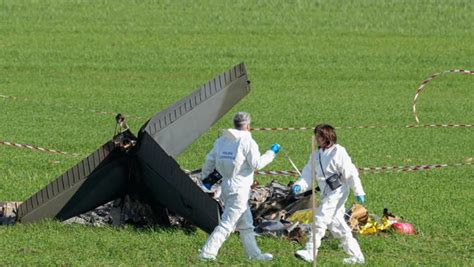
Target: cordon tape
430	78
271	173
376	169
368	127
295	172
37	148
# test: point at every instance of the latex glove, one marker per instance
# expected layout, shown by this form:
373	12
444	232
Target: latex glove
295	189
360	199
275	148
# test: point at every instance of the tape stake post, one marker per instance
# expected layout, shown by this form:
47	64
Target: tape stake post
313	187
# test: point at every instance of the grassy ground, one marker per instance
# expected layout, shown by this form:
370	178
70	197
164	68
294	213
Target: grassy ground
346	63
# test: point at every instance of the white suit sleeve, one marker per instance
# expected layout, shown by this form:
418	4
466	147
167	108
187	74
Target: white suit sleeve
350	173
210	163
256	160
305	180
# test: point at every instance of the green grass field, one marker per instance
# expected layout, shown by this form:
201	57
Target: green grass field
347	63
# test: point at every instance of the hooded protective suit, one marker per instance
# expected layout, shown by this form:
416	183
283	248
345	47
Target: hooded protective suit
330	213
236	156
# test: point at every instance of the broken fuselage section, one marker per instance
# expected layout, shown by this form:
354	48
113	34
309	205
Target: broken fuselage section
144	167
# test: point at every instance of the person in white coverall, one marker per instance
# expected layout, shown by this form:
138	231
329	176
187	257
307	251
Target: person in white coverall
236	156
331	159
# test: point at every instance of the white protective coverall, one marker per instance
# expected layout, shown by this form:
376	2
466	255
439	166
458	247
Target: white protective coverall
236	156
330	213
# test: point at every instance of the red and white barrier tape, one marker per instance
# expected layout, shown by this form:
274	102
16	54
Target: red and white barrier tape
376	169
430	78
280	172
439	126
36	148
369	127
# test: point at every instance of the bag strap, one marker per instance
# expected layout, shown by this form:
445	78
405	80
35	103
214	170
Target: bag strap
321	165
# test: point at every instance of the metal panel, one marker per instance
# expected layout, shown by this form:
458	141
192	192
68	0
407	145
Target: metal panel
53	197
172	188
175	137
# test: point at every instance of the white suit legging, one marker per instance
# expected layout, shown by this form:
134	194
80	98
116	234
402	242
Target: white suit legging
236	215
330	215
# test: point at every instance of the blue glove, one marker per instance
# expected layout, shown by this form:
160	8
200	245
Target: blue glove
296	189
275	148
360	199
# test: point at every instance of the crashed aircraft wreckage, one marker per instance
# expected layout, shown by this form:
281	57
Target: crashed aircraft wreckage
144	167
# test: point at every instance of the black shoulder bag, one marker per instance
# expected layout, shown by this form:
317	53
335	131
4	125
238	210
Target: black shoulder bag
334	181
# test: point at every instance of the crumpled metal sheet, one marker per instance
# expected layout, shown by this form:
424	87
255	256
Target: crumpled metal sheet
271	207
274	202
268	202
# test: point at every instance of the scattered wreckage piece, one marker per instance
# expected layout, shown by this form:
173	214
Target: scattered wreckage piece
388	221
144	167
8	212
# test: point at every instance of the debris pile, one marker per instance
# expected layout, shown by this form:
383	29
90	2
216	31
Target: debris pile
128	210
272	206
276	213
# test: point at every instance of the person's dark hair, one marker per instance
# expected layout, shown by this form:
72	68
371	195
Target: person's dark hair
327	133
